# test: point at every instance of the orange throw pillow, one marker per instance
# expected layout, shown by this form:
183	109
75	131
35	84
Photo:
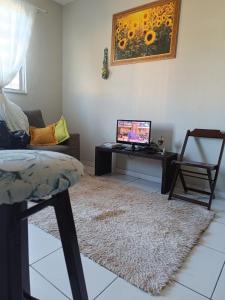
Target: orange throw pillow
43	136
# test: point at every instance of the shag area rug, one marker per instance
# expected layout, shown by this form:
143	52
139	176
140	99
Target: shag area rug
142	237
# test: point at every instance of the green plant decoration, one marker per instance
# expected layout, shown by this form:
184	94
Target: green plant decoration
105	68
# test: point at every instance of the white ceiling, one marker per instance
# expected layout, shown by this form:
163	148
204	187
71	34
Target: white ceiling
63	2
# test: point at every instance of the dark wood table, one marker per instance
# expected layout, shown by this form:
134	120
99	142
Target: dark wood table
103	163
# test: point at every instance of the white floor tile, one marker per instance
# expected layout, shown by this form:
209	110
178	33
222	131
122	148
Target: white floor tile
122	290
201	270
219	293
41	243
53	268
42	289
218	206
214	237
145	185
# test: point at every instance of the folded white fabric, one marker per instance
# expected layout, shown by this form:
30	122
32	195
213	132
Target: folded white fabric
34	174
13	115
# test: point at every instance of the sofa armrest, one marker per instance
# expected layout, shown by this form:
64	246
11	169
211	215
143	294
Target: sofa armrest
74	144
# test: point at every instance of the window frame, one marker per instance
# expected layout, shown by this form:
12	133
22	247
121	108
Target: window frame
22	82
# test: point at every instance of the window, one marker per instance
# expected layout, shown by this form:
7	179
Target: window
15	29
18	84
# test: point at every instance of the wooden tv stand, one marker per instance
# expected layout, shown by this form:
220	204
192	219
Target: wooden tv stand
103	163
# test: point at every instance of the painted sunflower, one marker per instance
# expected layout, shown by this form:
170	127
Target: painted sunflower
131	34
144	32
154	24
150	37
170	9
164	18
155	14
169	22
119	37
159	21
122	44
146	15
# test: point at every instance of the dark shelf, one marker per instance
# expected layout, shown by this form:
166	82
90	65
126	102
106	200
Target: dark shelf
103	162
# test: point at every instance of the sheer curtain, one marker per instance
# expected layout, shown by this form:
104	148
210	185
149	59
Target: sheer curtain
16	20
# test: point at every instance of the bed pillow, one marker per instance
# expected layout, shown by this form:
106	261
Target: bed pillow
61	131
43	136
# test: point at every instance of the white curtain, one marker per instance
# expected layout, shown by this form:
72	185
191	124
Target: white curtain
16	20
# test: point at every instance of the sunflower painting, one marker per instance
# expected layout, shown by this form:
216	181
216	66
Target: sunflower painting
147	32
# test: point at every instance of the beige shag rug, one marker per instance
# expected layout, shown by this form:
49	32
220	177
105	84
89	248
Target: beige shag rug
139	236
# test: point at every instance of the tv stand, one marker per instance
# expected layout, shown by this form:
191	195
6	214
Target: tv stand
103	163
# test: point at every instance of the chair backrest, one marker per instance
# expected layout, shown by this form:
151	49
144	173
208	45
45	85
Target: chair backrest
205	133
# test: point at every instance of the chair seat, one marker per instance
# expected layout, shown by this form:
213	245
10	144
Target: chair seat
196	164
35	174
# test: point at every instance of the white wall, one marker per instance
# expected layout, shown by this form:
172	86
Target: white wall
44	64
178	94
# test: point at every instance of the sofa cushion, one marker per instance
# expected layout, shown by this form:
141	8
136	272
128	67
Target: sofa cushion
35	118
43	136
61	131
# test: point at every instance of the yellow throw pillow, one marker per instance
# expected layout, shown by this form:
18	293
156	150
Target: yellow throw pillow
43	136
61	131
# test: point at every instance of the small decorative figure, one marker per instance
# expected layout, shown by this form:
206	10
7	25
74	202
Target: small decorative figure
161	141
105	69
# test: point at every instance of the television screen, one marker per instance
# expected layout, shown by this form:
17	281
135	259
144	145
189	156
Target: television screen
133	132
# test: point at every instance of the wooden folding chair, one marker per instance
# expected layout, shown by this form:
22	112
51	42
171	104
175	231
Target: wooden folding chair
207	171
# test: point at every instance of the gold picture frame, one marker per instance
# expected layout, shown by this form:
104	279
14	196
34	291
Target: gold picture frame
148	32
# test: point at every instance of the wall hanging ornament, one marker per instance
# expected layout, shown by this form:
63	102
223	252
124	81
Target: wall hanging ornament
105	68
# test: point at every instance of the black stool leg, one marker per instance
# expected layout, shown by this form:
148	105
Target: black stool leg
12	274
71	250
25	253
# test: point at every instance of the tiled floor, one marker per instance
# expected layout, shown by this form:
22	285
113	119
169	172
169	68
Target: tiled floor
202	276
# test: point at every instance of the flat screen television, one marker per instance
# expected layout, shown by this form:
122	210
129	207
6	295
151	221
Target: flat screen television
133	132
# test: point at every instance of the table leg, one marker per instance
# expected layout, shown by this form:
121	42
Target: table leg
168	171
103	162
25	253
